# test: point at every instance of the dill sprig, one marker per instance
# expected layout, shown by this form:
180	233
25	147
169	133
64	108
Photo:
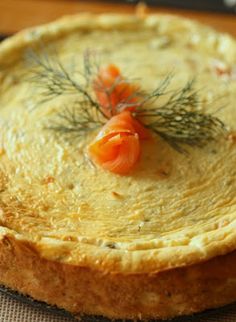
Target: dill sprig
76	121
144	99
178	120
54	80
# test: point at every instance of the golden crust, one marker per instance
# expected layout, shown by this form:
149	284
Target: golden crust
81	290
158	260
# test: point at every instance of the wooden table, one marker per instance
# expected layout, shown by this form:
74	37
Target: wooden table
18	14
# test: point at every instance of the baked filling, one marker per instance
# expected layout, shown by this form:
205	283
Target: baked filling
173	209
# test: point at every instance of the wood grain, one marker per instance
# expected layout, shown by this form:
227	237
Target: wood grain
18	14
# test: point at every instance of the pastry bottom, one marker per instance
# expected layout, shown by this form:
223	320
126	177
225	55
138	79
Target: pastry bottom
81	290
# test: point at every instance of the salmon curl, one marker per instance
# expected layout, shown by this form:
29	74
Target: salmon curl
117	146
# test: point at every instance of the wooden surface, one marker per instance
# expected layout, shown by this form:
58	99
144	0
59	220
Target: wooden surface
18	14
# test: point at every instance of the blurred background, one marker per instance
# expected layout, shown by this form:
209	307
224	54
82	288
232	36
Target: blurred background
18	14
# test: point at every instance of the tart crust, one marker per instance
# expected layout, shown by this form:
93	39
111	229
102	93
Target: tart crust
81	290
150	278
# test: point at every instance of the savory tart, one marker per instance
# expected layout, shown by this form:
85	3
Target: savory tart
117	165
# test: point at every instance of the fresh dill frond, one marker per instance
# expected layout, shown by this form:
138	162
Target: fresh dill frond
91	66
143	98
76	121
159	91
179	121
49	74
185	96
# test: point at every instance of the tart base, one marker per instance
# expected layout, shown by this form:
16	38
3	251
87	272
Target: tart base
81	290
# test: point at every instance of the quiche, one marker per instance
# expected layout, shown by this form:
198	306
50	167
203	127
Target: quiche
156	242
